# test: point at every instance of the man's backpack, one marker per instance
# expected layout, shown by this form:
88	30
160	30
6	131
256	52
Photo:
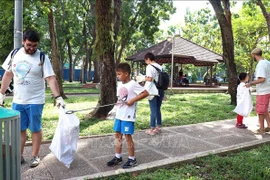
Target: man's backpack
42	58
163	79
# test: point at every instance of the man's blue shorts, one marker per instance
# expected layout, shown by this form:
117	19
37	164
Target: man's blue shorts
30	115
123	127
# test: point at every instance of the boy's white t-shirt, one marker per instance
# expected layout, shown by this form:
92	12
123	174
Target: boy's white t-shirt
125	92
263	70
152	72
29	83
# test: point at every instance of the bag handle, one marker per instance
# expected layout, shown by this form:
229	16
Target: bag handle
156	68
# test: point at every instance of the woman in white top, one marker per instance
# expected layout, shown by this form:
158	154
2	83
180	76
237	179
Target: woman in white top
155	103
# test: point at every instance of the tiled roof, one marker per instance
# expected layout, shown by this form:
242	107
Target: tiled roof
183	50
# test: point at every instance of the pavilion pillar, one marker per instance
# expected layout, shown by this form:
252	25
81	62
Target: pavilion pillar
211	75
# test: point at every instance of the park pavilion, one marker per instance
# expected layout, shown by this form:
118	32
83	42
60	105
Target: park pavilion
183	52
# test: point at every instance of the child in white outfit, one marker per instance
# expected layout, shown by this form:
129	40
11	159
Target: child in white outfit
243	78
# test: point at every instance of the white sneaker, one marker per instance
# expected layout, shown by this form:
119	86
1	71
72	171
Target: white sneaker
34	162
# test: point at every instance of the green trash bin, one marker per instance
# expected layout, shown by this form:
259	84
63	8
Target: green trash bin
10	165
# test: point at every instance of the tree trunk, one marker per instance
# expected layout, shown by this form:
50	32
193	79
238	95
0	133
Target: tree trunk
55	55
224	19
82	77
97	72
92	31
126	38
88	54
89	76
116	20
104	49
71	67
122	47
266	16
87	61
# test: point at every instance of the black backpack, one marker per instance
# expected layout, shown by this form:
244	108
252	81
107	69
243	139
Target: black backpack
42	58
163	79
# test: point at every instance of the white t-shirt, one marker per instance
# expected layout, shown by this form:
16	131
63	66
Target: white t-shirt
240	91
29	84
125	92
263	70
152	72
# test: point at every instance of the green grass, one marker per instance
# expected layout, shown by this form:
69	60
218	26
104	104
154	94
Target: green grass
74	87
179	109
252	164
75	90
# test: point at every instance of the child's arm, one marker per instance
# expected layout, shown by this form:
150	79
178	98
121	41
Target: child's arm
137	98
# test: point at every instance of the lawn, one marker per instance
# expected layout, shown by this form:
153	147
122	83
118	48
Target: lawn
74	87
179	109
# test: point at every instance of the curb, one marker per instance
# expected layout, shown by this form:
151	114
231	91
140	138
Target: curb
171	162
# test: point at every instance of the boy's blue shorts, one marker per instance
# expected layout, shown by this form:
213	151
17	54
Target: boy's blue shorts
123	127
30	115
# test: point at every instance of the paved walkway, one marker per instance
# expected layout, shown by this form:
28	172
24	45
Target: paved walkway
174	145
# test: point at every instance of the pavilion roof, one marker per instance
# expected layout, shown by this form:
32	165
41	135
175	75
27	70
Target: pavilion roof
185	52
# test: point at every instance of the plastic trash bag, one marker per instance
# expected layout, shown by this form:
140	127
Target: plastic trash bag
245	106
151	88
64	143
111	115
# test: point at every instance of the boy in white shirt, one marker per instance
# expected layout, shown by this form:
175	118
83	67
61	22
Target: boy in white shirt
128	92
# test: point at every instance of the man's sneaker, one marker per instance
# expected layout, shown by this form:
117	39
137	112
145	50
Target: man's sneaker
22	160
115	161
241	126
130	163
34	161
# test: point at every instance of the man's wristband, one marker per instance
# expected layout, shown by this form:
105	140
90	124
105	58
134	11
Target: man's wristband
57	97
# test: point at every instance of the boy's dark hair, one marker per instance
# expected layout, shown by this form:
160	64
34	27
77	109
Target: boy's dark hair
150	55
123	67
31	35
241	77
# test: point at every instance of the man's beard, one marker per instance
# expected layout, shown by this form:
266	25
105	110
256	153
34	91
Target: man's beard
29	51
254	59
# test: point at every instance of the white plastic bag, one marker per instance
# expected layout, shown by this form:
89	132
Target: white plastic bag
64	143
151	88
111	115
245	106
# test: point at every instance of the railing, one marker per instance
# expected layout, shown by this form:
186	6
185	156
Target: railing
10	166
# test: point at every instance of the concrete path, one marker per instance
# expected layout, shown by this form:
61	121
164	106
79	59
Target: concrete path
174	145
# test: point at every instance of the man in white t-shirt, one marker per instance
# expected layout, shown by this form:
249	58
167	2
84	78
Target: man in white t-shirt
262	81
29	74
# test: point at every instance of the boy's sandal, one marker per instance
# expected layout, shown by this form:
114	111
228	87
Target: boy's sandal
150	132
